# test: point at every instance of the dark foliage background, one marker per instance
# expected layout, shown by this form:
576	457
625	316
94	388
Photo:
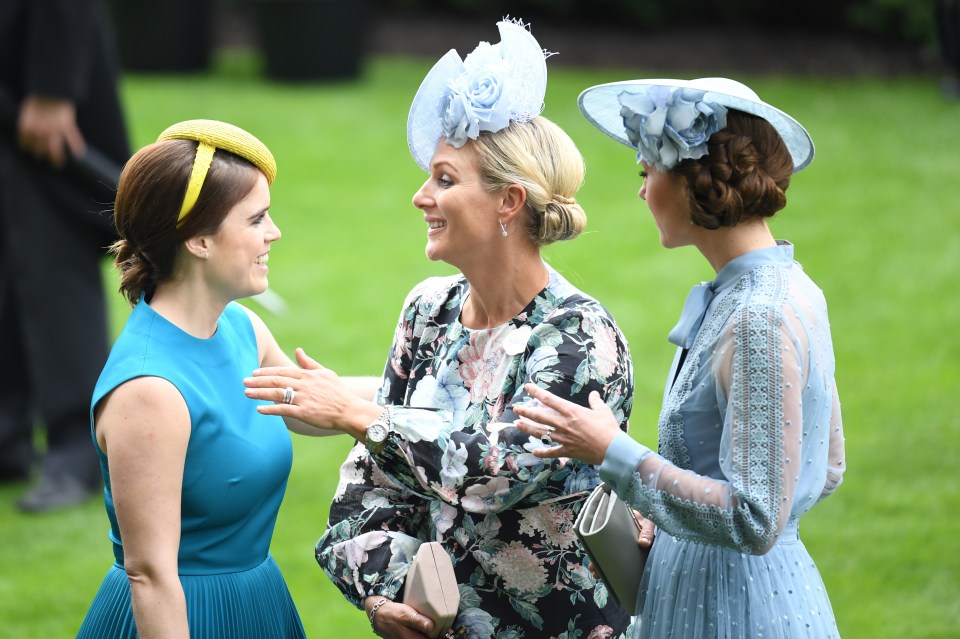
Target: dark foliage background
898	20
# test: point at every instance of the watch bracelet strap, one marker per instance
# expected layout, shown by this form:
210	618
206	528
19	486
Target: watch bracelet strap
384	417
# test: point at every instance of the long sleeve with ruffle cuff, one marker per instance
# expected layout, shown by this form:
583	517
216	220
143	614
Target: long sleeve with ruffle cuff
745	435
375	528
621	461
683	503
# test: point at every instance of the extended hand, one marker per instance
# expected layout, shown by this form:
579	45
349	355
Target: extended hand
575	431
319	396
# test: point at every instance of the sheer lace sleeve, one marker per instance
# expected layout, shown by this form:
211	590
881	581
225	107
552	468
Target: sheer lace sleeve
836	460
759	368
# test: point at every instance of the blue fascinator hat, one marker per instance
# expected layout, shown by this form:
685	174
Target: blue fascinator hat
494	86
667	121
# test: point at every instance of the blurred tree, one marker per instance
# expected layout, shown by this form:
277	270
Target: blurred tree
898	20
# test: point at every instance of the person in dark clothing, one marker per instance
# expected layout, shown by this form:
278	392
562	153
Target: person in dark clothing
947	19
59	103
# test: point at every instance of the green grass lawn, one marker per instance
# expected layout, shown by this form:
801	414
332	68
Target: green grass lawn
874	220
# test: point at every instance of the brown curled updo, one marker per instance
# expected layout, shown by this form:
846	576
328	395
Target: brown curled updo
744	175
148	201
541	157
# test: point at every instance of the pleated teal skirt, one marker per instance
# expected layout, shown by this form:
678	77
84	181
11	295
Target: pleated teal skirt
252	604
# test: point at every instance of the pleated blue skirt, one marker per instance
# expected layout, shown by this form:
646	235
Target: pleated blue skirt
698	591
252	604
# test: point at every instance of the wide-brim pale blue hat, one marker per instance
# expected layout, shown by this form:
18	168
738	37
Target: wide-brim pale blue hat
492	87
602	106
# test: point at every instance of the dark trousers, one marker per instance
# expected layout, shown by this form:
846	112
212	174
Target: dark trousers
53	326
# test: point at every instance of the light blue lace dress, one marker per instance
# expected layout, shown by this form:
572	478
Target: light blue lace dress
750	438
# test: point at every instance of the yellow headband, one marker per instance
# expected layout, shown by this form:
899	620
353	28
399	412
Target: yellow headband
210	136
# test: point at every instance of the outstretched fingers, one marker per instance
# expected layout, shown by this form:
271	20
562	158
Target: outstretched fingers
548	399
578	431
268	382
551	447
542	424
279	389
307	362
289	372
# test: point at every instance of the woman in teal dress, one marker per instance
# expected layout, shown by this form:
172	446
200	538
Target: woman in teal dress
750	434
193	474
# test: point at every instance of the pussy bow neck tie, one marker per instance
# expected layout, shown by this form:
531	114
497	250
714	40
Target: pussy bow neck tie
691	318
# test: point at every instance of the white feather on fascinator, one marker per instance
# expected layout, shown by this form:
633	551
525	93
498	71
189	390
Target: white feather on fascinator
494	86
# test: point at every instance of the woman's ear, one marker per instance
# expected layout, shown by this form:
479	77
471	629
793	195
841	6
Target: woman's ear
513	199
198	246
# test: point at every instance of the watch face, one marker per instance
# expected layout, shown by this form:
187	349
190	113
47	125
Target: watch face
376	433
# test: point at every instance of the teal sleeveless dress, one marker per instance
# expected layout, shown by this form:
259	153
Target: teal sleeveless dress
235	474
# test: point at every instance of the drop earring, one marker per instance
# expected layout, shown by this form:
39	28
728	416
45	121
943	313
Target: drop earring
503	229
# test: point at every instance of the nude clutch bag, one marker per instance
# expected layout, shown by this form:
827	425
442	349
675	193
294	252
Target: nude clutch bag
608	533
431	587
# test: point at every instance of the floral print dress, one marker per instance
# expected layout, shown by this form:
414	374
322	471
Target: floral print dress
455	469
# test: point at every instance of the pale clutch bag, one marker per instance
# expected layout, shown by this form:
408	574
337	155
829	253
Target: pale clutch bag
608	533
431	587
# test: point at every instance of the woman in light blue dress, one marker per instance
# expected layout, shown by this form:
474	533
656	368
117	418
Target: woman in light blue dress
750	435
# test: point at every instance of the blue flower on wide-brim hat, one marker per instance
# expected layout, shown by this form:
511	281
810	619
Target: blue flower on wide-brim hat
667	120
493	86
668	125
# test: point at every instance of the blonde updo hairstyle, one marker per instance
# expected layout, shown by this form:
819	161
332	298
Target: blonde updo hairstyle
541	157
744	175
149	196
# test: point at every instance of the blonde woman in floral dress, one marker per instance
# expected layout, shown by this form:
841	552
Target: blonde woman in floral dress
438	458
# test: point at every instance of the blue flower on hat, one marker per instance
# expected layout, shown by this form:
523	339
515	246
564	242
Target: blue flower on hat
478	100
670	124
495	85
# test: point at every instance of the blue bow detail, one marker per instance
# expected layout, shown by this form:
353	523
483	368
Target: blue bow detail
691	318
